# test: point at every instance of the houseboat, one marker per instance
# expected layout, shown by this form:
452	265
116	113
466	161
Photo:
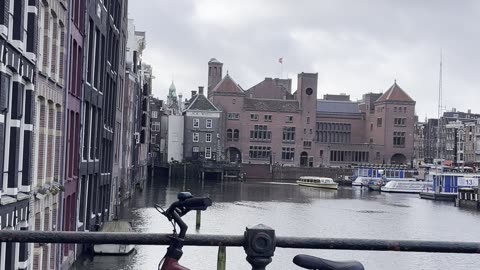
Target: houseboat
445	185
318	182
406	186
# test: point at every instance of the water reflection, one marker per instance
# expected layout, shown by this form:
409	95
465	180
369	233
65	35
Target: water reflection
300	211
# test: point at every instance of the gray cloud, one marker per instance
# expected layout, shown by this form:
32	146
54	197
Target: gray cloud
355	46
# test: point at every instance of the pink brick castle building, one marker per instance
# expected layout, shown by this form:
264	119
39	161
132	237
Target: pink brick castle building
269	123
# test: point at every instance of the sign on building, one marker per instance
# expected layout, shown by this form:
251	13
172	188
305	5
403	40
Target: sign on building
467	181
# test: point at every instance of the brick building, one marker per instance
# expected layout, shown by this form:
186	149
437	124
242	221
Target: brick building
269	123
50	110
18	47
203	128
106	43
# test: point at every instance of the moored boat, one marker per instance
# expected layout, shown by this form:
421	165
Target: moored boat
318	182
115	249
375	185
406	186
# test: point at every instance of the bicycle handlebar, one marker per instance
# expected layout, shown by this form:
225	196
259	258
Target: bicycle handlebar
196	203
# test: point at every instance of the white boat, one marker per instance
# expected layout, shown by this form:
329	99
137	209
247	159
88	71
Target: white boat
318	182
115	249
406	186
363	181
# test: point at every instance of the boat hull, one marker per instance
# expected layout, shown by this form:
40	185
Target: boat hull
325	186
113	249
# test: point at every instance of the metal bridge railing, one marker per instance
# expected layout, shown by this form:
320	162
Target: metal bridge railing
258	241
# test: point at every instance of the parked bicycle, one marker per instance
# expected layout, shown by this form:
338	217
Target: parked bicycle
187	202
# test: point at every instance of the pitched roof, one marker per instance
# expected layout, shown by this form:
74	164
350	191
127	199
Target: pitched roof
201	103
395	93
272	89
337	107
228	85
271	105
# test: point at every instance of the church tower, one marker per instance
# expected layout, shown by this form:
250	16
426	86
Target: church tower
214	74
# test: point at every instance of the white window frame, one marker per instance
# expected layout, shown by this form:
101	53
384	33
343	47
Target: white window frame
208	137
196	137
209	123
208	152
154	114
195	149
196	123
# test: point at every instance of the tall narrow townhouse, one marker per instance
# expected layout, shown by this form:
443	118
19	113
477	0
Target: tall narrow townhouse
49	100
18	56
72	116
102	83
119	166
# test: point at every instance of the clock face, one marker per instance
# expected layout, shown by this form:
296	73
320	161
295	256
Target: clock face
309	91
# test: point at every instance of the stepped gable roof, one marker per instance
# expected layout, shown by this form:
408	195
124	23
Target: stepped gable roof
395	93
201	103
228	85
337	107
271	105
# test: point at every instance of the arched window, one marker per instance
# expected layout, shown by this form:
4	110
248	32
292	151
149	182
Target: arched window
229	135
236	135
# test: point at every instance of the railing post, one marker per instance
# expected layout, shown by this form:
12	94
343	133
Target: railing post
259	246
222	258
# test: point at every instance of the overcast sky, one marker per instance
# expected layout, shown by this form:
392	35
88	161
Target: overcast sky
355	46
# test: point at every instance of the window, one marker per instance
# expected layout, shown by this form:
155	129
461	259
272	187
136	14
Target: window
196	123
196	137
377	156
400	122
288	134
233	116
153	138
379	122
208	152
307	144
394	109
349	156
404	109
156	126
267	118
234	101
288	153
371	126
254	117
260	133
209	123
308	120
229	135
260	152
154	114
321	153
196	149
289	119
236	135
398	139
208	137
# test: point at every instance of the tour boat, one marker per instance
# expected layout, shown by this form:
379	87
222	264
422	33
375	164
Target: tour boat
115	249
406	186
319	182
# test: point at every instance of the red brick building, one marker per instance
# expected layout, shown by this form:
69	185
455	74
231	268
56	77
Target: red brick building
269	123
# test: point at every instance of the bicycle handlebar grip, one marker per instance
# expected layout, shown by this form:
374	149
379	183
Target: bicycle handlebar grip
194	203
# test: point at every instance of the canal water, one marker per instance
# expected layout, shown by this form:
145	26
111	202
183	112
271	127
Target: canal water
299	211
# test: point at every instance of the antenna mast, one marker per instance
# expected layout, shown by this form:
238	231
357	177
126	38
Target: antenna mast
440	97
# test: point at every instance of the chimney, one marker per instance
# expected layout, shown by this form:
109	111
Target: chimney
194	93
200	90
469	111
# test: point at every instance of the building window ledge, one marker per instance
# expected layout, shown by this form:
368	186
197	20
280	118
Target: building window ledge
25	189
5	200
4	31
